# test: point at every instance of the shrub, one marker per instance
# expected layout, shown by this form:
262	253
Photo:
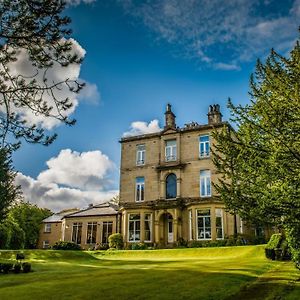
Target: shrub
116	241
61	245
138	246
274	243
6	267
182	242
17	268
20	256
26	267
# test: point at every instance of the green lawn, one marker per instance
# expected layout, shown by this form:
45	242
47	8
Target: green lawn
205	273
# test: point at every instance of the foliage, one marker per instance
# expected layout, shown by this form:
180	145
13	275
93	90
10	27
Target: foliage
29	217
61	245
139	246
8	191
26	267
15	234
260	161
274	241
17	268
37	29
116	241
6	267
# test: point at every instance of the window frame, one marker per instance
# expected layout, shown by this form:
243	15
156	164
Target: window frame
150	226
93	225
166	185
222	222
207	184
106	232
46	244
204	143
47	228
172	156
204	217
136	232
77	225
140	154
139	187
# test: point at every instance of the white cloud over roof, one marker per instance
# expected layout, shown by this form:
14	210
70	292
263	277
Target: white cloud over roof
72	179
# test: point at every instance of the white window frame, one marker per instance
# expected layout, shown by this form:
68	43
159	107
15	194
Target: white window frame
206	177
135	240
205	143
139	186
140	154
107	223
219	212
46	244
47	228
76	226
93	225
204	226
150	226
172	149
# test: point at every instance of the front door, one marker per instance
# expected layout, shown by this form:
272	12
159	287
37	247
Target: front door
170	229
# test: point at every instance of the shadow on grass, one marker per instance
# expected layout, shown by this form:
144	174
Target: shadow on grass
143	284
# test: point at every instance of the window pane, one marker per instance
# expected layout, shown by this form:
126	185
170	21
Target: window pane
171	186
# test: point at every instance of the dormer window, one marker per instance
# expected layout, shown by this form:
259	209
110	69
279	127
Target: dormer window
204	146
170	150
140	154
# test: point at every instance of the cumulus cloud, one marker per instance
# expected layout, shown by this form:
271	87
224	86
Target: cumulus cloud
236	30
23	66
72	179
139	127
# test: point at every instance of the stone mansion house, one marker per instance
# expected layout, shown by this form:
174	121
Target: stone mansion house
166	192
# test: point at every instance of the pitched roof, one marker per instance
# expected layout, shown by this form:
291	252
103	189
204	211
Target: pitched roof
103	209
59	216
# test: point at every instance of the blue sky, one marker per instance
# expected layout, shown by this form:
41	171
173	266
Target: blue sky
140	55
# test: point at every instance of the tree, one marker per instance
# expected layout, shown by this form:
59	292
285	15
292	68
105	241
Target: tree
36	30
260	161
29	218
8	191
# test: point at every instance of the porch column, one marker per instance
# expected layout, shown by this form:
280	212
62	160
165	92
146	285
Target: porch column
175	224
156	228
125	224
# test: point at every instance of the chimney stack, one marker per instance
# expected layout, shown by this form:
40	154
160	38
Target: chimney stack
214	114
170	118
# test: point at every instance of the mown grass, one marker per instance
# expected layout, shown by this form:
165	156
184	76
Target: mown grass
205	273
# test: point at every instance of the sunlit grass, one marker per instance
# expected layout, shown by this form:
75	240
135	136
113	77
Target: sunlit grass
205	273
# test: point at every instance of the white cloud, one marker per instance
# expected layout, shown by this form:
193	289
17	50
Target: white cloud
72	180
205	30
23	66
139	127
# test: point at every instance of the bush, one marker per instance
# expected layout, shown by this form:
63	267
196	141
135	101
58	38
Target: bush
17	268
6	267
274	243
138	246
182	243
61	245
116	241
26	267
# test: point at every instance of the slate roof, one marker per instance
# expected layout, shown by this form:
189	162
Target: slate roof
59	216
103	209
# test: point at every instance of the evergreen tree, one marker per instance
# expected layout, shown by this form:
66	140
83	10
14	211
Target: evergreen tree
38	29
8	191
260	161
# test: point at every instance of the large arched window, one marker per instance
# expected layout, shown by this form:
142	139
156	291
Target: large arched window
171	186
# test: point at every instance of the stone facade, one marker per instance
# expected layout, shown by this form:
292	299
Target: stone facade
161	198
89	228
